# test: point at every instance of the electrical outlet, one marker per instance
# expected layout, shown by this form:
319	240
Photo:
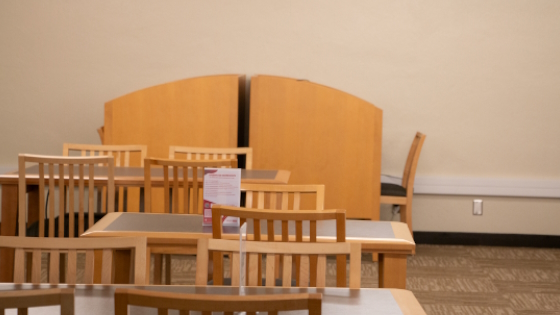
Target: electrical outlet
477	207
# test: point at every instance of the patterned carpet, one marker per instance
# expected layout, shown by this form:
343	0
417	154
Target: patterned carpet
462	279
454	279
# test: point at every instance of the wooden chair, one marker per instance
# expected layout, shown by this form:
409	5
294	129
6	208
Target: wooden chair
24	299
72	165
199	153
285	216
402	194
208	303
121	154
54	247
285	197
179	182
191	203
271	249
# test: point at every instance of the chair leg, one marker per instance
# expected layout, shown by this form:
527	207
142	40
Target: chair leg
406	215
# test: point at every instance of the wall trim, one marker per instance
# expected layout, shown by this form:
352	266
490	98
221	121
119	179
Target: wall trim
483	239
514	187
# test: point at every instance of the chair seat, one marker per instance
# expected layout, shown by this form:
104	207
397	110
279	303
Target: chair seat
392	190
33	230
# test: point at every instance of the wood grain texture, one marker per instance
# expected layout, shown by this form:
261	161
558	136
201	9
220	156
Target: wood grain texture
23	299
323	136
191	112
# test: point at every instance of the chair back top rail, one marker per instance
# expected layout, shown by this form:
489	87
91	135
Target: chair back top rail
203	153
119	152
23	299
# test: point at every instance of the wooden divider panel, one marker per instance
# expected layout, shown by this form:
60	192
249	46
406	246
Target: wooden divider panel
323	136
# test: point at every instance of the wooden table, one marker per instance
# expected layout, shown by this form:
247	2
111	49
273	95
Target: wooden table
97	299
178	234
124	176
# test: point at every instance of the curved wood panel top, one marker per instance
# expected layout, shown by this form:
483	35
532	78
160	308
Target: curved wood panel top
191	112
323	136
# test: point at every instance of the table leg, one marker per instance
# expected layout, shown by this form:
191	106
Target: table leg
8	228
122	267
392	271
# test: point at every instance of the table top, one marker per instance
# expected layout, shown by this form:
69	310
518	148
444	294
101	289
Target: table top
134	176
382	236
99	299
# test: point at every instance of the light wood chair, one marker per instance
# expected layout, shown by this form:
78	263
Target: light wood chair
270	250
54	247
200	153
208	303
124	155
24	299
402	194
84	167
179	182
254	216
284	197
191	199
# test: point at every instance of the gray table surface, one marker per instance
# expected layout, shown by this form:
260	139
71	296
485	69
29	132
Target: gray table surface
99	299
355	229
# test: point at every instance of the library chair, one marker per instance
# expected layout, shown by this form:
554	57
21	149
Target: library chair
25	299
202	153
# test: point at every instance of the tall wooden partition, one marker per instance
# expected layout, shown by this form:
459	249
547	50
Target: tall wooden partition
196	112
323	136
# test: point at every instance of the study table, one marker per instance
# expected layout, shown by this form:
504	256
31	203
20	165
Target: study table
123	176
178	234
99	299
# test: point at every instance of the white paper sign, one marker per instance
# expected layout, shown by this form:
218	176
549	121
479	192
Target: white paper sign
221	186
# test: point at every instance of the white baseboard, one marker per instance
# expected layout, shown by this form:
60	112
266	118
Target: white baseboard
483	186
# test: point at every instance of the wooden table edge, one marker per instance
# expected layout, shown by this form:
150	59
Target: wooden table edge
407	302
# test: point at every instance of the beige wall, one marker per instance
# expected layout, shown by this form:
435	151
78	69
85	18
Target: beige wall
480	78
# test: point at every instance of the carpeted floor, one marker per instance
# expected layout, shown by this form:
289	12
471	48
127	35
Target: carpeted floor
456	279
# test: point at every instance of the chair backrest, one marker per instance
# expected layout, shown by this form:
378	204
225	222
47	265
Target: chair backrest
24	299
282	197
71	247
200	153
178	168
411	162
285	216
270	250
121	153
207	303
67	168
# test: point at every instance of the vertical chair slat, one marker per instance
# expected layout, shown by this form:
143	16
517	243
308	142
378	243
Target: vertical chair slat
70	200
285	202
88	270
260	200
61	200
71	269
90	196
270	230
19	264
110	186
273	202
303	280
253	275
175	189
54	266
41	200
126	158
355	264
186	190
147	186
340	259
249	199
235	269
106	266
287	271
270	261
297	200
36	267
165	189
52	215
321	271
118	159
195	189
81	199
